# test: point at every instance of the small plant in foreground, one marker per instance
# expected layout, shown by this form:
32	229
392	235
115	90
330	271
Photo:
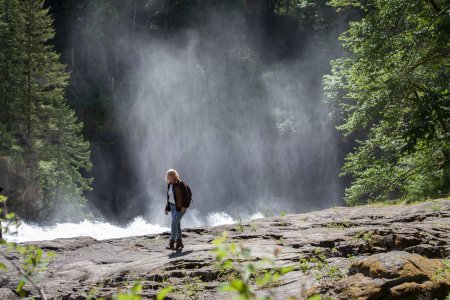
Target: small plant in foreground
32	260
339	225
164	292
133	293
239	225
366	236
318	267
351	258
444	272
229	256
435	206
192	287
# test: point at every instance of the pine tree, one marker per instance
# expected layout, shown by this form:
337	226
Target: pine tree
55	146
46	129
11	81
64	155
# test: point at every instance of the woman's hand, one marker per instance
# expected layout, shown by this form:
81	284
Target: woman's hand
183	209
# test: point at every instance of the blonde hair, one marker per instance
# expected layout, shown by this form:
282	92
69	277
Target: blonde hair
172	172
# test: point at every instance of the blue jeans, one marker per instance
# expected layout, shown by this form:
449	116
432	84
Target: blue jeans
175	227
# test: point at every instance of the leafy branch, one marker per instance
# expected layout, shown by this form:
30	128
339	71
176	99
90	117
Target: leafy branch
32	261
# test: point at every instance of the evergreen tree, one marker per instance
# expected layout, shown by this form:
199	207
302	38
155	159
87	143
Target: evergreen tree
11	81
62	158
54	152
391	91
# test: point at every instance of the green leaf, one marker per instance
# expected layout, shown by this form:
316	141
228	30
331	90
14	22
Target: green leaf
286	270
20	286
3	267
237	284
227	288
137	288
128	297
227	264
221	239
164	292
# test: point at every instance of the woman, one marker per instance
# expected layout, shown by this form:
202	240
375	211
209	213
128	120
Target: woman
175	193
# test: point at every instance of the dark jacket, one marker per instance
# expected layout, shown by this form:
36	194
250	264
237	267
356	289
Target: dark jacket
178	191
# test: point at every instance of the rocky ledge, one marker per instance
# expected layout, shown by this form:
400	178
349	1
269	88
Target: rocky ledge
367	252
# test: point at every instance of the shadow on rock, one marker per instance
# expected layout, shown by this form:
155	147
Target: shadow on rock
179	253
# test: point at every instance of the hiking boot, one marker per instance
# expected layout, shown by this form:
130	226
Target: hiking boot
171	245
179	245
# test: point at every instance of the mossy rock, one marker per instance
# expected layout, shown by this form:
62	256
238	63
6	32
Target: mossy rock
392	275
398	265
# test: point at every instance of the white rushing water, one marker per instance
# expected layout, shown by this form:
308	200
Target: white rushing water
104	230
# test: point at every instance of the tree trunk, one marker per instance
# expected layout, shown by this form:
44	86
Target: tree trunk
251	7
30	159
134	16
72	58
435	6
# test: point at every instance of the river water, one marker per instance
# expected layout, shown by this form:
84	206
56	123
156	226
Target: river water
103	230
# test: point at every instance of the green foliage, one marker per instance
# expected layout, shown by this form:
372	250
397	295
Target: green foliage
8	219
351	258
164	292
390	90
38	129
435	206
32	260
99	31
133	293
192	287
339	225
444	272
32	263
239	227
314	15
366	236
11	36
315	297
230	256
318	267
253	226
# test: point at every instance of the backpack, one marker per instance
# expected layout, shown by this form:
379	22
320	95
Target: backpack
187	196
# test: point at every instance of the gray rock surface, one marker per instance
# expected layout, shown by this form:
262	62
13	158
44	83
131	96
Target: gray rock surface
7	294
380	252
